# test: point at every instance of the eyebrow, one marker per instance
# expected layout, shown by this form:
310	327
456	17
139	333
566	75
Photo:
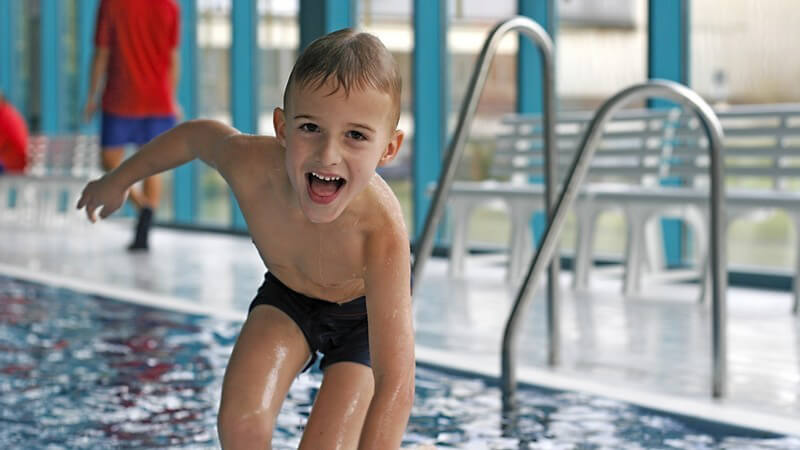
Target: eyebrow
352	124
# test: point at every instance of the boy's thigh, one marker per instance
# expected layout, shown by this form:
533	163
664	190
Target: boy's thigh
340	407
269	353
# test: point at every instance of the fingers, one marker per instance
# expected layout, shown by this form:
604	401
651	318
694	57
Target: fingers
90	205
106	211
90	213
83	200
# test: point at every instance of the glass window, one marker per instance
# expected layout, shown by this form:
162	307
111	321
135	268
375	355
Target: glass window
599	52
213	101
739	57
70	113
391	22
278	35
469	25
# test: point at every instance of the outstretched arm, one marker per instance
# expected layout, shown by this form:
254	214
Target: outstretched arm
391	339
98	73
203	139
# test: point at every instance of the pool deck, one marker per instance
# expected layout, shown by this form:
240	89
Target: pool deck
653	350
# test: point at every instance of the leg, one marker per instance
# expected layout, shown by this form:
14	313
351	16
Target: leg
268	354
111	157
150	128
151	192
340	408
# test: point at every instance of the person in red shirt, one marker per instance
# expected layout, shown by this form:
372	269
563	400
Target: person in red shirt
136	56
13	139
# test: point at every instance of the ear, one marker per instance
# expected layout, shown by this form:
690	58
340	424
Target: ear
279	122
392	147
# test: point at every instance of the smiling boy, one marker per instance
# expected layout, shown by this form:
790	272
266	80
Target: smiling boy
332	236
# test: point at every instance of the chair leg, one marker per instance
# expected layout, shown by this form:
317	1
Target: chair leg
796	281
654	246
458	246
587	225
698	222
632	280
521	247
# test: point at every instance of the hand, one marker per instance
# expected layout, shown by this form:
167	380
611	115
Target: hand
102	193
89	109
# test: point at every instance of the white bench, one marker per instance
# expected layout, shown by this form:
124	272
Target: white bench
639	148
45	195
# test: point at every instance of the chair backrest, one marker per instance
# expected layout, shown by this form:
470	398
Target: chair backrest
631	150
68	155
761	147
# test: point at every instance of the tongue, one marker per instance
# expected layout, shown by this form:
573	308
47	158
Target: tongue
323	188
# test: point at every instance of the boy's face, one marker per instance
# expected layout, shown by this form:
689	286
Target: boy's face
333	144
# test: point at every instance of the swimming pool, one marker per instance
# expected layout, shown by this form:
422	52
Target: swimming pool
84	371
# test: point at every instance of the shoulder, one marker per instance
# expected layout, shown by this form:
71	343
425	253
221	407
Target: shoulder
246	150
247	157
383	215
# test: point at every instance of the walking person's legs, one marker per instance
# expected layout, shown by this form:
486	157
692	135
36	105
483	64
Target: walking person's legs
117	132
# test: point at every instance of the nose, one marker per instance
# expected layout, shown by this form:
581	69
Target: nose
328	154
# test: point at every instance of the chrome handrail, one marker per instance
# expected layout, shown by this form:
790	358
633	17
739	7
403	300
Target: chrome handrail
540	37
576	175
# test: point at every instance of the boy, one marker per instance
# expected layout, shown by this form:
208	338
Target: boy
329	230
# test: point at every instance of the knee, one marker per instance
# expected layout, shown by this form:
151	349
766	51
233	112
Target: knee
242	430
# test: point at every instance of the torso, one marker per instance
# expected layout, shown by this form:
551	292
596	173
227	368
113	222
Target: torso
324	261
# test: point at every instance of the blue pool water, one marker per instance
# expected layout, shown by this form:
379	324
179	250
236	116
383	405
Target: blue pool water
81	371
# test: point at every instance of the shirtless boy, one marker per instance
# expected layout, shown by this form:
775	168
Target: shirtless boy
331	234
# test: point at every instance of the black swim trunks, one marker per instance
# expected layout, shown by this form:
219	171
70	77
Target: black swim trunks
337	330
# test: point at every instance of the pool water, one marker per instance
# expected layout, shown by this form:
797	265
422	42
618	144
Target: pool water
81	371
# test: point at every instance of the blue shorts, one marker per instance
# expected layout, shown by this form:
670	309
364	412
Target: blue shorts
118	131
338	331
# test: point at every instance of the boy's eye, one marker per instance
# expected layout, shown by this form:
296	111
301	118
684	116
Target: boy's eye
309	127
352	134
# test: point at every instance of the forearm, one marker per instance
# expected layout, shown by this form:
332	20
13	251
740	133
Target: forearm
387	415
99	66
175	71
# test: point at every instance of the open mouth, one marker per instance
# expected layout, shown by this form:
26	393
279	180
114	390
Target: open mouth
324	188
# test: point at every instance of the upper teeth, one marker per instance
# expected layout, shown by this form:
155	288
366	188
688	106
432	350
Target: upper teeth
325	178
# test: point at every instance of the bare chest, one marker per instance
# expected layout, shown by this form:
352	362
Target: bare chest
322	262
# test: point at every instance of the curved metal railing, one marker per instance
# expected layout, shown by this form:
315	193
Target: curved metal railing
539	36
575	176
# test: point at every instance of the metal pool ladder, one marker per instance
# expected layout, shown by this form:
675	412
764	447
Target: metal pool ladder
539	37
557	213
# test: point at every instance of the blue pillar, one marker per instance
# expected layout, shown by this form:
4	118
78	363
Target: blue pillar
244	78
9	62
429	81
668	43
529	63
50	67
320	17
87	14
529	76
668	58
184	181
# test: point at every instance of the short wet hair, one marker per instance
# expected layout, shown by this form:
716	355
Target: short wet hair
352	60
